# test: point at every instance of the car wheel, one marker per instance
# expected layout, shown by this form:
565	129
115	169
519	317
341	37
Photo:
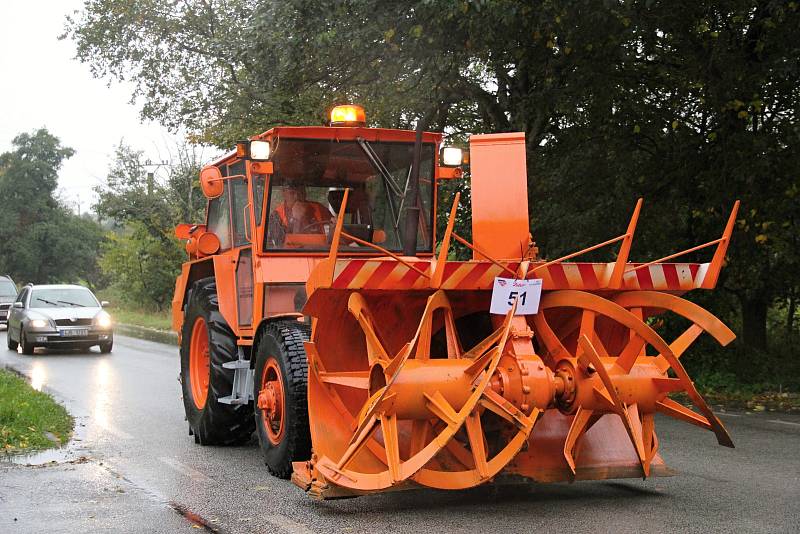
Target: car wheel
26	347
12	345
106	347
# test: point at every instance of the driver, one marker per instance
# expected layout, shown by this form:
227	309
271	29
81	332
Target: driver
296	215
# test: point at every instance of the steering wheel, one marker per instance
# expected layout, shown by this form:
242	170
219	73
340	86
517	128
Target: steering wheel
315	224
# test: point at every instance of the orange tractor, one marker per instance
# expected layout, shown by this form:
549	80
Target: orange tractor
316	311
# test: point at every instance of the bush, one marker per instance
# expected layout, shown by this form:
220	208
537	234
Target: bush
142	268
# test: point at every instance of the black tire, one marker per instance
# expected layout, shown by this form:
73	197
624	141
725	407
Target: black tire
12	345
26	347
283	342
215	423
106	347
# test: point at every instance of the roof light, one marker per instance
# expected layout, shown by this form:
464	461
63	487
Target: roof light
349	115
451	156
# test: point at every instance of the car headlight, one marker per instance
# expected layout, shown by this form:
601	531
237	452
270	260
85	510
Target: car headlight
103	320
39	323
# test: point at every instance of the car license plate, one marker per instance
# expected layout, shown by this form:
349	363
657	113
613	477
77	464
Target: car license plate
76	332
3	314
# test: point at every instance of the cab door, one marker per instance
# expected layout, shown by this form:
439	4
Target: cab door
242	243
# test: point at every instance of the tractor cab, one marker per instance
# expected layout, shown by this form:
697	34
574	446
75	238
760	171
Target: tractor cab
274	203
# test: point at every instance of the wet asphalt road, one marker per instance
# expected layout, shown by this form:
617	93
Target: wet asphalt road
134	467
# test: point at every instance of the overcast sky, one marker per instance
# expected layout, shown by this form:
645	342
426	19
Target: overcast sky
41	85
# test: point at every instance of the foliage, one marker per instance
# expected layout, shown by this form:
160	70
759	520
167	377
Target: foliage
145	318
691	104
142	266
41	240
142	259
26	414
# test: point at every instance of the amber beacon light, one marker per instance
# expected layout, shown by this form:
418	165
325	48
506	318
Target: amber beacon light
348	115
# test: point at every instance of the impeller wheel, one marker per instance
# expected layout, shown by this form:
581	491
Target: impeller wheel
585	327
416	405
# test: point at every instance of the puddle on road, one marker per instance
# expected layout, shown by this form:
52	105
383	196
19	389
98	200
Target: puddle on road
59	455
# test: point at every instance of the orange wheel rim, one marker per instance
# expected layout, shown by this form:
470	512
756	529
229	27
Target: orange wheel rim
271	401
199	363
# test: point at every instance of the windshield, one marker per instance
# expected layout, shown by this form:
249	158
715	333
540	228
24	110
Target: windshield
308	184
63	298
7	288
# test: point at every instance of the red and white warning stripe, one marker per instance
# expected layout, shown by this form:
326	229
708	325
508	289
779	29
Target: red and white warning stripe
391	274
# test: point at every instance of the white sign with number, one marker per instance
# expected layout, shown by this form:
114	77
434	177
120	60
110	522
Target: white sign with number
526	292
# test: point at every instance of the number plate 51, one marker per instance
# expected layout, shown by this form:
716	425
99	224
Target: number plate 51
526	292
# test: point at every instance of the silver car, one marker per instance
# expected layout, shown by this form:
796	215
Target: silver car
8	293
53	316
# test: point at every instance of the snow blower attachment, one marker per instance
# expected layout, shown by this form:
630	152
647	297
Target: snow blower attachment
419	371
413	382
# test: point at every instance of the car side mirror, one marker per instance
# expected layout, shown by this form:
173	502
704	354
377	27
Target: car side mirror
18	304
105	304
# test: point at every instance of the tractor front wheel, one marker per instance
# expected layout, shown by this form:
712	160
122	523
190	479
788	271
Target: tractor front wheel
206	344
281	408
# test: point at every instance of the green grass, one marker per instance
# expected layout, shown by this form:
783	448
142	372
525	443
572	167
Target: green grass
26	414
159	320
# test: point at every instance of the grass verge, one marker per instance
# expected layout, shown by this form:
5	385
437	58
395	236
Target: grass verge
30	419
157	320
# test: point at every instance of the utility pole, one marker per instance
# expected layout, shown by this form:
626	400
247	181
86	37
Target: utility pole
151	174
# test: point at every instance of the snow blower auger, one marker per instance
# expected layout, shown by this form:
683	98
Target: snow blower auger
417	371
412	382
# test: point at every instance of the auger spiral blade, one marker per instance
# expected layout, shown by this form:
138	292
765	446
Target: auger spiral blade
702	321
584	335
616	404
400	385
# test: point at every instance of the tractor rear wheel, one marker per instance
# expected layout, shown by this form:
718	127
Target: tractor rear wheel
281	408
206	344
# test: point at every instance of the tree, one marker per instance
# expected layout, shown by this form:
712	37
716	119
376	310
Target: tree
142	267
41	240
691	103
143	257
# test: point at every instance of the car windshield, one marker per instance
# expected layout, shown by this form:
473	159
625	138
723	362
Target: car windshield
63	298
308	184
7	288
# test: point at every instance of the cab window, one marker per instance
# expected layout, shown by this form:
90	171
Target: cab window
239	211
219	218
307	189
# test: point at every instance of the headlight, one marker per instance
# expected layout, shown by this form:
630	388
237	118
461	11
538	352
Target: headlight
451	156
39	323
103	320
259	150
